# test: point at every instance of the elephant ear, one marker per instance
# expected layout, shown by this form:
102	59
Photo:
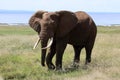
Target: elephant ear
67	21
34	21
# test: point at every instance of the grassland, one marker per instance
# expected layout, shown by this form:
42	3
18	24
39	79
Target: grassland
19	62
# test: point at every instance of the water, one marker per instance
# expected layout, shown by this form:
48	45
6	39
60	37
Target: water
23	17
106	18
15	17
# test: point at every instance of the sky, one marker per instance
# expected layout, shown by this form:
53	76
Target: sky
56	5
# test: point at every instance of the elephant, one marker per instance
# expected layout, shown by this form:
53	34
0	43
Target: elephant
57	29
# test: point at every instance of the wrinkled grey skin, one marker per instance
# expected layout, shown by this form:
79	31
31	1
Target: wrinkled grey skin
65	27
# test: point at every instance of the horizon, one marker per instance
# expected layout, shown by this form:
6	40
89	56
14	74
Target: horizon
26	24
15	17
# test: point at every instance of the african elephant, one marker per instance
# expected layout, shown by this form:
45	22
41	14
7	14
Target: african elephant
62	28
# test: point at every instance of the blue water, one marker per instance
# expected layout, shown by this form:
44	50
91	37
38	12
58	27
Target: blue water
15	17
23	17
106	18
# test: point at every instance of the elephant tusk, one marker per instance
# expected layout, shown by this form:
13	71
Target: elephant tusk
50	43
36	43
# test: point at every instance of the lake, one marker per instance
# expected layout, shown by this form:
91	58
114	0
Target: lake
23	17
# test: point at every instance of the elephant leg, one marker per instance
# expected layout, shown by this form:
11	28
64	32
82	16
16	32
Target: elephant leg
60	47
77	50
88	55
50	55
88	48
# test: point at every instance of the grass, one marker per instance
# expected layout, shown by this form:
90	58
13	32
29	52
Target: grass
19	62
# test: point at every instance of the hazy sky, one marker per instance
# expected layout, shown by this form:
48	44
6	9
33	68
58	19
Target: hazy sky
55	5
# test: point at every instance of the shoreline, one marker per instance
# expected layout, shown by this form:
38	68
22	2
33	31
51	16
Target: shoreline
26	24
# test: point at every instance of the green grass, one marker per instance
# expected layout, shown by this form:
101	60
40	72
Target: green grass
16	30
19	62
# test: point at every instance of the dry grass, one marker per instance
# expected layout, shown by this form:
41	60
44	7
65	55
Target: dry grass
94	75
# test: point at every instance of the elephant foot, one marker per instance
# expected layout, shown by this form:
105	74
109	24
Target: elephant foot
58	68
74	65
51	66
87	61
61	71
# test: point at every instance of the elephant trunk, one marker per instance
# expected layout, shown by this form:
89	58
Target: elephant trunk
44	47
45	35
43	51
44	40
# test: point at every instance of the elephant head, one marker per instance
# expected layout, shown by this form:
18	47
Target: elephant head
35	19
51	25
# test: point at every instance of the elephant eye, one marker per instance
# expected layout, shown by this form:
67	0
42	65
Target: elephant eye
53	17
